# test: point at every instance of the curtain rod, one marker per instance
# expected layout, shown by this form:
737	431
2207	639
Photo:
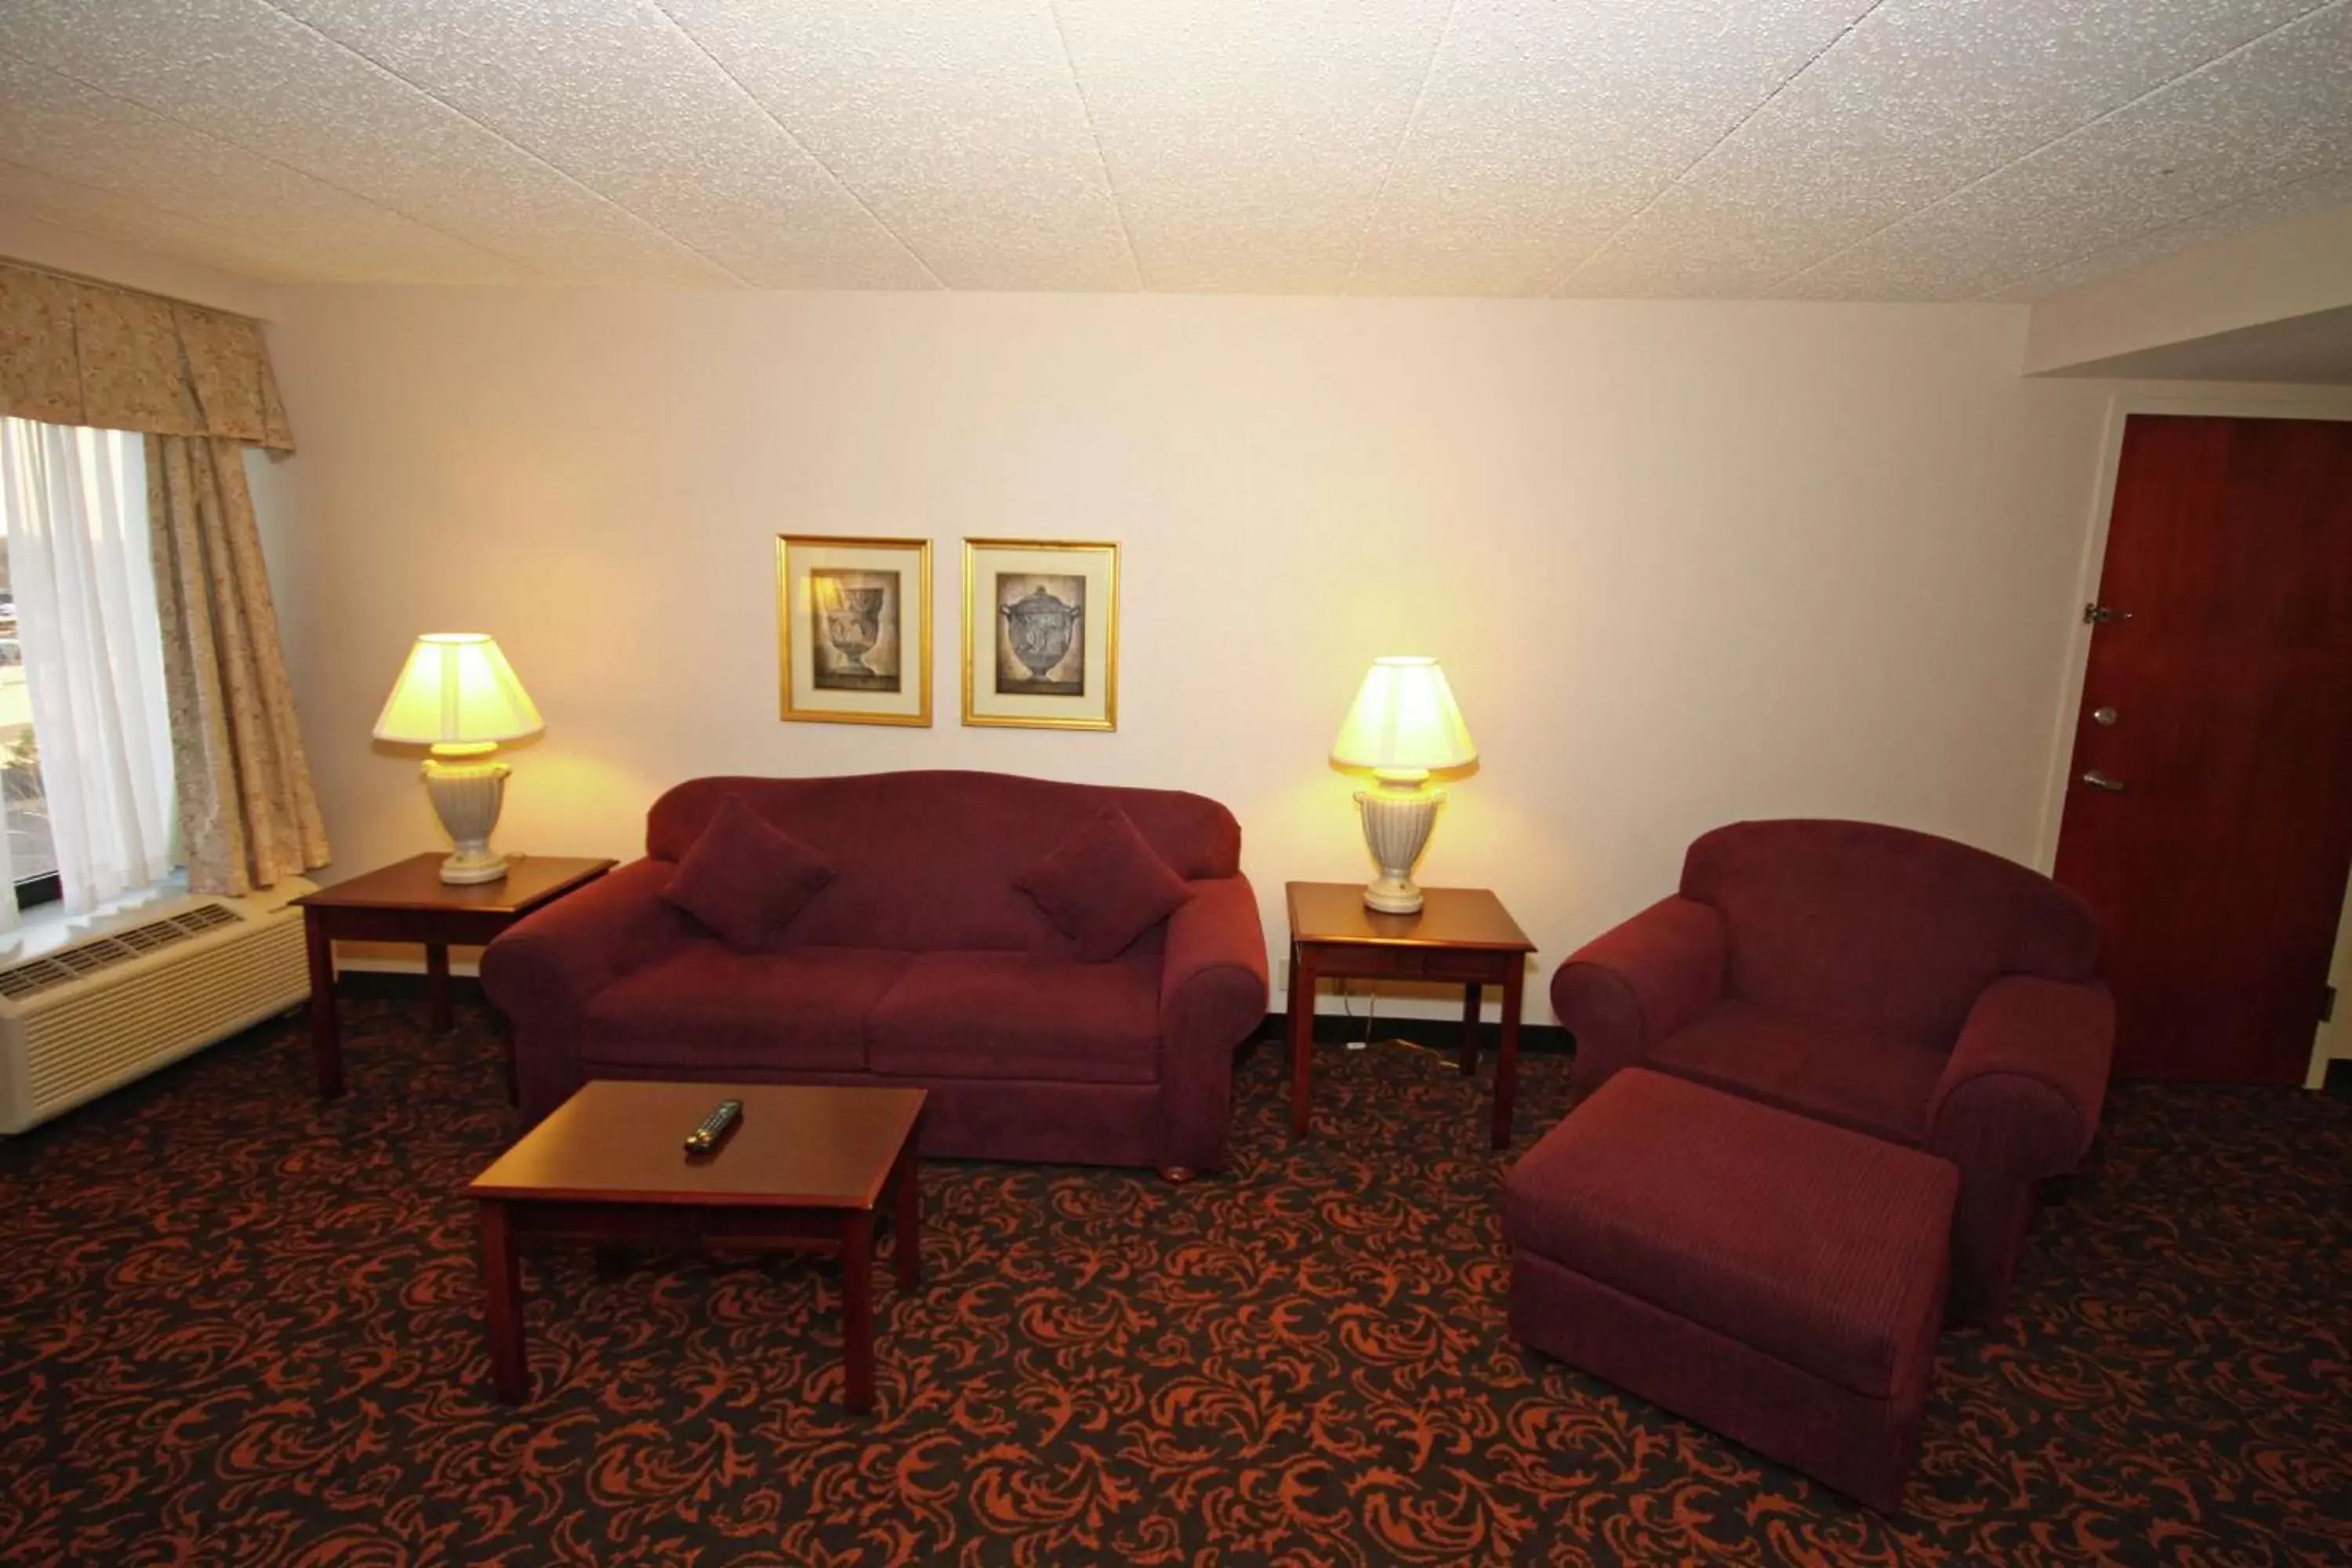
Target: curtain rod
87	279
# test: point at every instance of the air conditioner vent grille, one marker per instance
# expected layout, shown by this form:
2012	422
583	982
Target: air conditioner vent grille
36	975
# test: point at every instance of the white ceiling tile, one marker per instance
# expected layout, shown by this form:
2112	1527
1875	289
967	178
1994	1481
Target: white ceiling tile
1248	141
2276	113
260	79
88	210
1915	101
1842	149
1544	128
58	127
957	121
1789	33
612	92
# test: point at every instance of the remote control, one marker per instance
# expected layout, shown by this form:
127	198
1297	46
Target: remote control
715	1127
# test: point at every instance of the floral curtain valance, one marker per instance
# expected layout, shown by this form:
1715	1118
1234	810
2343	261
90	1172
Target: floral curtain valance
81	353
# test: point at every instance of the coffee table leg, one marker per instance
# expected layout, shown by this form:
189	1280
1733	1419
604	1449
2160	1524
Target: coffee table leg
436	988
1506	1060
326	1040
857	1310
907	1219
1302	1037
502	1306
1473	995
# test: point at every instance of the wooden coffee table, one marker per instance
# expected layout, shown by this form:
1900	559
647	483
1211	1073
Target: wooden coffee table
806	1170
1463	935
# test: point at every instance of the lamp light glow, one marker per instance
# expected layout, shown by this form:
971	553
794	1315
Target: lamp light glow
1404	723
458	694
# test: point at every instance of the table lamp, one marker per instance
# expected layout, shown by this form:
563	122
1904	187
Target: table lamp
1404	723
459	695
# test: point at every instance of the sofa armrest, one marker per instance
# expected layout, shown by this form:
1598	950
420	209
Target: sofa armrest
2020	1098
542	969
1213	998
1627	989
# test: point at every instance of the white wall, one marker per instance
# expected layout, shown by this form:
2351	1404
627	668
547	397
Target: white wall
2299	268
1684	563
27	238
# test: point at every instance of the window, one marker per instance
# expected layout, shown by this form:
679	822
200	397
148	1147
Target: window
32	854
86	809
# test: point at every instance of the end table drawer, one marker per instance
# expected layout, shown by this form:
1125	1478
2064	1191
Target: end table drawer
1442	963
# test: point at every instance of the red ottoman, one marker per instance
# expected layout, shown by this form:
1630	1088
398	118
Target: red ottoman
1774	1278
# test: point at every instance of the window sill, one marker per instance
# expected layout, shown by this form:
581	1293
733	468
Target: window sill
47	927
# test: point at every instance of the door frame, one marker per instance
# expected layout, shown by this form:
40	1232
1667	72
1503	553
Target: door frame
2313	403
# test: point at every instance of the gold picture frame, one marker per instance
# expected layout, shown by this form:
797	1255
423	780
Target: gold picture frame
1040	633
850	647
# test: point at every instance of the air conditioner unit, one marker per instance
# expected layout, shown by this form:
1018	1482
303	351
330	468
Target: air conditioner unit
145	988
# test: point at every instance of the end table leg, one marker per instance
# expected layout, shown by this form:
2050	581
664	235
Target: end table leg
326	1042
502	1307
1506	1060
1473	996
1302	1037
436	988
857	1310
907	1218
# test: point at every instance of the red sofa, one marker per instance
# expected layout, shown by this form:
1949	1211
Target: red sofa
919	964
1887	981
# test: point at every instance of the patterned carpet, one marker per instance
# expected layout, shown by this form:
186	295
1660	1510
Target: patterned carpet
239	1327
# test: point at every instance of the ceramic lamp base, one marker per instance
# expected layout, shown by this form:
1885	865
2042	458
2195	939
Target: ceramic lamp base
1396	828
466	795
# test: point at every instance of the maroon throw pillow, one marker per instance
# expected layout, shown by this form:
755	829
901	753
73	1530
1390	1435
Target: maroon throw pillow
745	877
1104	887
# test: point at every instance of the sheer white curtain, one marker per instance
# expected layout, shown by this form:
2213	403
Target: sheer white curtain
75	504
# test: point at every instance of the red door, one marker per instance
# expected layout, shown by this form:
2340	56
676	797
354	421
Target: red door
2208	810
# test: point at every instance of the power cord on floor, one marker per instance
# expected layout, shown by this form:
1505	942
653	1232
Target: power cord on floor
1372	1012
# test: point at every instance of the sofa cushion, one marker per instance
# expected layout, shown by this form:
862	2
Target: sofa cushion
745	877
1820	1247
1019	1015
1880	926
925	861
1874	1082
707	1004
1103	887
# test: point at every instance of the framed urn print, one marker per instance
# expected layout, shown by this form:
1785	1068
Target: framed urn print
1040	633
854	619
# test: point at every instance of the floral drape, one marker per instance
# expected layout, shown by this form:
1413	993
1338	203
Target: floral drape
81	353
249	815
198	384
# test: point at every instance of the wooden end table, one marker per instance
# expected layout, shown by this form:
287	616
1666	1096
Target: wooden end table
408	901
804	1170
1461	934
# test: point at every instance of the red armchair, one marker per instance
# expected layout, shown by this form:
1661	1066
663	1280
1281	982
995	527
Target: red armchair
1888	981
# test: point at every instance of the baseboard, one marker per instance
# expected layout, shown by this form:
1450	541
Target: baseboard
1438	1034
400	984
1330	1028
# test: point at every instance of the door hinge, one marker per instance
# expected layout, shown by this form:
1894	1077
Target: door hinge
2328	1003
2096	614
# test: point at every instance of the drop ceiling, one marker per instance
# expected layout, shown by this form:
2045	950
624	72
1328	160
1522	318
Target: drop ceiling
1807	149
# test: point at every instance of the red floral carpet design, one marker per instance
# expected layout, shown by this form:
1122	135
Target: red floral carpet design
241	1327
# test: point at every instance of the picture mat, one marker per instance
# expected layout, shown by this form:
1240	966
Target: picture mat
804	695
1096	564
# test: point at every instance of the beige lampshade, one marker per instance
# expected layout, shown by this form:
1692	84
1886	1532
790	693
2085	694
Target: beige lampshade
1404	721
456	690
